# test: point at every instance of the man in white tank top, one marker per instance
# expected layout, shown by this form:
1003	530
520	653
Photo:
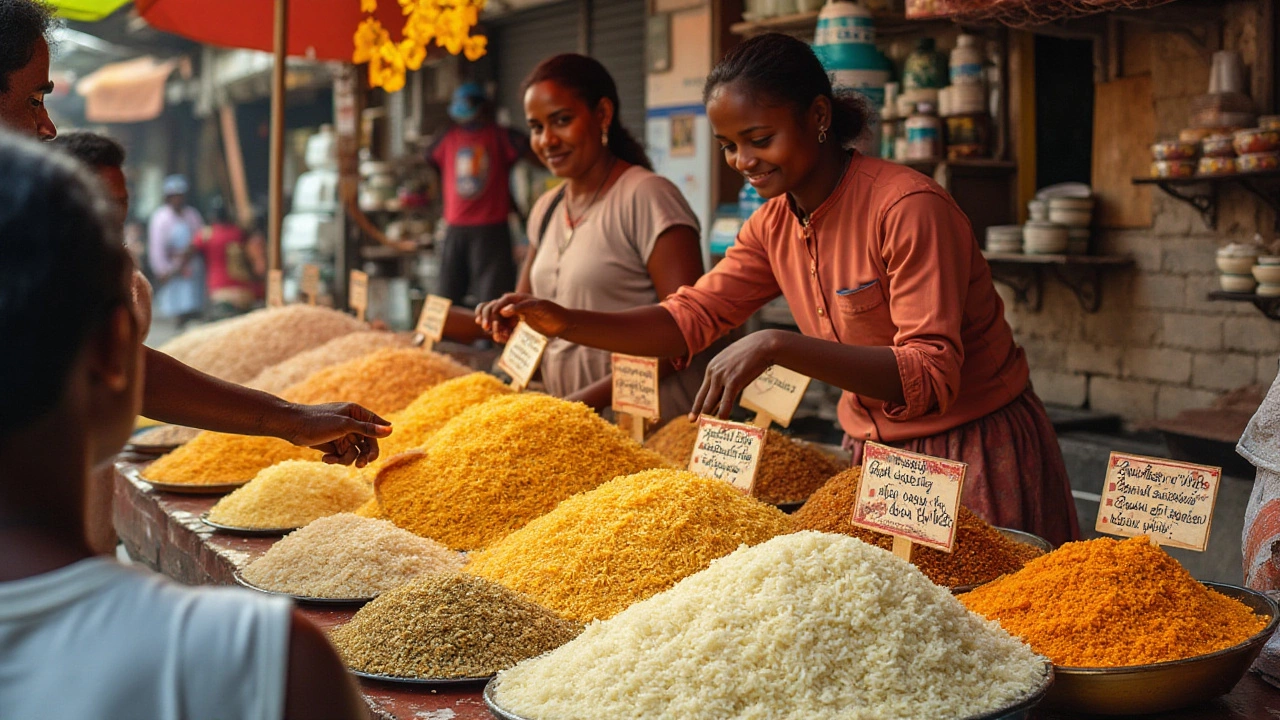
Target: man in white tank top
80	635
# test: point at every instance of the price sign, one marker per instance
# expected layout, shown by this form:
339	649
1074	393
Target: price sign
522	354
775	395
1170	502
635	386
358	292
275	288
311	282
431	321
727	451
913	497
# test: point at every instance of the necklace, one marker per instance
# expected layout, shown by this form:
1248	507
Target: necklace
568	217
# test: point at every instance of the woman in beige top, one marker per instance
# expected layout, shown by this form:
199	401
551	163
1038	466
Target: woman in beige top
614	236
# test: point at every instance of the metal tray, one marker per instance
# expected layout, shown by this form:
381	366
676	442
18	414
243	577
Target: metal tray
428	682
247	532
344	602
148	450
1019	710
1167	686
1017	536
131	471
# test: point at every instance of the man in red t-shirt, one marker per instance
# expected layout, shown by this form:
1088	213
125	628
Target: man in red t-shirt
475	158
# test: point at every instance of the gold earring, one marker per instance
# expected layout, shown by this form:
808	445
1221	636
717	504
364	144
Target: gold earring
604	137
822	135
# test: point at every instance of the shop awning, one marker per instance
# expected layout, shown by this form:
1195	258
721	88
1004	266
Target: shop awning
126	92
318	29
86	10
1020	13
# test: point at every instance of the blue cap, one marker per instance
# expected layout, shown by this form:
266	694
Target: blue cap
466	102
175	185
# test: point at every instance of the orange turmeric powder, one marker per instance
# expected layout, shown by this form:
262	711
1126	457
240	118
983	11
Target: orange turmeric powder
1113	603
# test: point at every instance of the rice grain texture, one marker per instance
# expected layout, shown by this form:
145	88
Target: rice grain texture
449	626
980	553
808	626
345	556
291	494
502	463
165	435
384	381
789	471
286	374
215	458
239	348
631	538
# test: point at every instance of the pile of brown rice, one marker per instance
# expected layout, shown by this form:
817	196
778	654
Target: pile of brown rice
238	349
449	626
284	375
345	556
291	494
789	471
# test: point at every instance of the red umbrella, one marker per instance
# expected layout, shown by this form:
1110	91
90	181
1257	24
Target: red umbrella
319	29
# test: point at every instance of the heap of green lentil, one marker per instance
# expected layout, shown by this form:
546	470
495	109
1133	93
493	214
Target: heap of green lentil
449	625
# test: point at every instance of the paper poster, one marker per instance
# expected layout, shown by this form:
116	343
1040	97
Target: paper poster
909	495
358	292
1171	502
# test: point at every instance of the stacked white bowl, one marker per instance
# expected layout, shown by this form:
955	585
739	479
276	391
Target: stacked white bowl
1004	239
1267	273
1235	265
1044	238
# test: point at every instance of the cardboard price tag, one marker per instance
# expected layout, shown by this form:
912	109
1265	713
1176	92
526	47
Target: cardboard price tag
310	284
358	292
1171	502
431	321
775	395
635	386
727	451
275	288
910	496
522	354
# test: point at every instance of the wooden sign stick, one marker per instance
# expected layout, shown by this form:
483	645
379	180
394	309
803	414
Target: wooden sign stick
637	427
902	547
762	420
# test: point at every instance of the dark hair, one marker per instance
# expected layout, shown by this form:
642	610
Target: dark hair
590	80
23	23
786	69
92	149
64	271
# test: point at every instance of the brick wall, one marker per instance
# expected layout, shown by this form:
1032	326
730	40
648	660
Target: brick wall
1158	346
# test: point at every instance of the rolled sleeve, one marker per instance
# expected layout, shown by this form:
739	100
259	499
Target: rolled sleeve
725	297
928	257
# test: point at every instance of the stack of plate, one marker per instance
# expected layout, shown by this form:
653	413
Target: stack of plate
1235	266
1004	239
1267	273
1045	238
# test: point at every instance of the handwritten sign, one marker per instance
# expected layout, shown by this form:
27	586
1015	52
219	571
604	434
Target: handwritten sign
635	386
1170	502
275	288
310	284
727	451
910	496
431	321
522	354
358	293
775	395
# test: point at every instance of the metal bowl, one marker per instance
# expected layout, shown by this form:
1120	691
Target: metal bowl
1167	686
1019	710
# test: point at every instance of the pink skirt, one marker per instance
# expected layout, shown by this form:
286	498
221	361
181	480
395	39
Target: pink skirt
1016	477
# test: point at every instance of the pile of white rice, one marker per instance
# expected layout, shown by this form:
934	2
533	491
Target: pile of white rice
284	375
805	626
347	556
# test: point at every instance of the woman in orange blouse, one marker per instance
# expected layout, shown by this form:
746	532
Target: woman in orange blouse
890	291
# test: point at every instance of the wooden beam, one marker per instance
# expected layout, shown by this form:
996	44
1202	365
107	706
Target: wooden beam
1264	65
275	178
1022	109
235	164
